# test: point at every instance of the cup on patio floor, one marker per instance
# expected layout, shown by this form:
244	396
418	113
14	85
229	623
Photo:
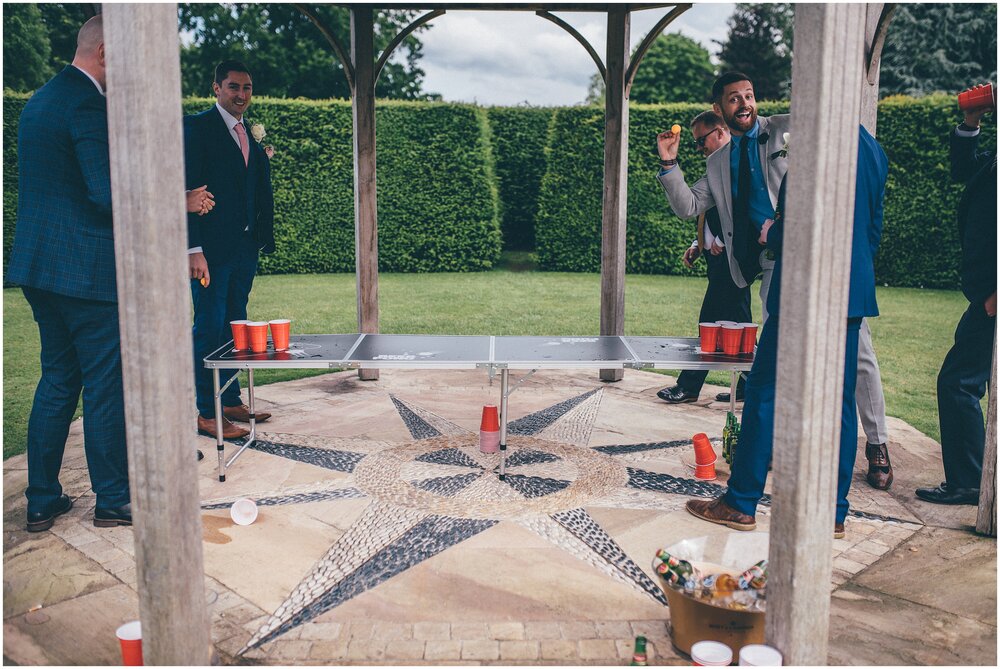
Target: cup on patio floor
704	458
130	637
243	511
257	332
711	654
759	655
732	338
709	333
977	97
722	324
241	340
489	430
749	340
281	330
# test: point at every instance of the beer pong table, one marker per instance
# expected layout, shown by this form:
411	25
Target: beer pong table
378	351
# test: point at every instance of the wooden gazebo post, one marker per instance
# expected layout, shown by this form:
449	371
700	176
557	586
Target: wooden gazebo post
154	305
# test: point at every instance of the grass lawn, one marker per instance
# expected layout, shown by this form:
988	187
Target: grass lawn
911	338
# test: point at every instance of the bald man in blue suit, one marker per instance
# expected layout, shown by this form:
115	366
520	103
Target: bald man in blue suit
737	507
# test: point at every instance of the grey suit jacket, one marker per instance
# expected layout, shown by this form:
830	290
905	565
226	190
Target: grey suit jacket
715	188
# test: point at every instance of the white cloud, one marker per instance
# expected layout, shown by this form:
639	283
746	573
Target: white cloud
507	58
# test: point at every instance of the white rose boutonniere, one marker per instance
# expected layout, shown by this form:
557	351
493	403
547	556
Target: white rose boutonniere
257	130
783	151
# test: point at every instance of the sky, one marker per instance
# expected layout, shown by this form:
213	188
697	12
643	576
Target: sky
511	58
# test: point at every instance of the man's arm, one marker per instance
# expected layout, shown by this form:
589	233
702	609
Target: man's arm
89	131
686	201
965	160
193	174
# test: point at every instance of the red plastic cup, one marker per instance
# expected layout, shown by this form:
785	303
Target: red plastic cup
489	430
709	336
732	339
704	454
722	324
257	332
978	97
130	637
281	330
749	337
241	341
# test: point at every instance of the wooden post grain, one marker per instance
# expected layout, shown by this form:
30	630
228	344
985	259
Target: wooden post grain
615	194
986	519
815	282
154	302
365	197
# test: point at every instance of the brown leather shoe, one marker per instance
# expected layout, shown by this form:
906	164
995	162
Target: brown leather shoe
718	512
838	531
879	468
242	414
206	426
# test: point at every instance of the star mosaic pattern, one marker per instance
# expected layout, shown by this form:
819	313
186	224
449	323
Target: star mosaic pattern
438	490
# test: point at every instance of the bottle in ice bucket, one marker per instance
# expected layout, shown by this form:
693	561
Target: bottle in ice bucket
675	572
639	654
754	577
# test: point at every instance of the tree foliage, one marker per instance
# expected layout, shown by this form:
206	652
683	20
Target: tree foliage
759	43
939	48
675	69
287	54
26	48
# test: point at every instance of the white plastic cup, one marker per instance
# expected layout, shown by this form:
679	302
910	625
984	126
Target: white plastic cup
759	655
711	654
243	511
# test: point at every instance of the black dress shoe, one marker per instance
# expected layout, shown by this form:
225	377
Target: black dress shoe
41	521
677	395
121	515
724	397
945	494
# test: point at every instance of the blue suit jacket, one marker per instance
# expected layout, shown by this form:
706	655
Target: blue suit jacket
63	241
869	194
242	191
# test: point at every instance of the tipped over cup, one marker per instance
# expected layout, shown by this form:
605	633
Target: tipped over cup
243	511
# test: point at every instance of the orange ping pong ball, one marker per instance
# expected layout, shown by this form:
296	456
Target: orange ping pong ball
676	129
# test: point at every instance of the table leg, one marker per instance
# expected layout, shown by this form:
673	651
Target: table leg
219	444
253	416
732	391
503	423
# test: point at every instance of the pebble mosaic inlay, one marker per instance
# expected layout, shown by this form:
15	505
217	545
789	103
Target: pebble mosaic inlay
535	422
447	485
341	461
418	427
533	486
448	456
527	456
623	449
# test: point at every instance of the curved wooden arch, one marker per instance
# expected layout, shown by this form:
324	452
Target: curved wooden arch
579	38
874	50
338	49
647	42
403	34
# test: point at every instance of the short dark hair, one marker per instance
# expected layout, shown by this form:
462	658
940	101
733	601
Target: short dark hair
223	69
726	79
709	119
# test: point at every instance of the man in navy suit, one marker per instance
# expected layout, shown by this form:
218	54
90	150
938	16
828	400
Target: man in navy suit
966	369
223	246
64	260
737	507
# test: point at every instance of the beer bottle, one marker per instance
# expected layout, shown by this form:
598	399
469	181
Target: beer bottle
639	654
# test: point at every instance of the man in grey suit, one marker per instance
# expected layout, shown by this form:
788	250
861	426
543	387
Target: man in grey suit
742	181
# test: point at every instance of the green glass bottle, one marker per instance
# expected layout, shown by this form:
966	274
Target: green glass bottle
639	654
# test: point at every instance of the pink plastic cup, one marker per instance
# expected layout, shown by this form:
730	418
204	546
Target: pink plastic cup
732	339
281	330
709	336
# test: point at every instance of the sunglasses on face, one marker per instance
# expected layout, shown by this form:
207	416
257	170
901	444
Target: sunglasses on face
700	141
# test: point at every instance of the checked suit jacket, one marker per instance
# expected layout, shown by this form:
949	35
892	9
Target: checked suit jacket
242	191
715	188
64	242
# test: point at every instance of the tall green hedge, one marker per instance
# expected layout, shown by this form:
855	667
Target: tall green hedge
520	135
437	198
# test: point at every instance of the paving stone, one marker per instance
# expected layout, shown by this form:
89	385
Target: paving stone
391	631
404	649
438	650
578	629
860	556
429	631
873	547
558	649
329	651
233	644
519	650
598	649
613	629
359	649
293	649
506	631
850	566
545	629
241	613
321	631
469	631
361	631
650	628
480	649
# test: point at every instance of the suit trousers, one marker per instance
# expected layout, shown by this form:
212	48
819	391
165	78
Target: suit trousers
870	398
961	385
223	300
756	443
724	301
80	350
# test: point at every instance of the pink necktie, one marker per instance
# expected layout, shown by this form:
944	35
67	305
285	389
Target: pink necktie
241	132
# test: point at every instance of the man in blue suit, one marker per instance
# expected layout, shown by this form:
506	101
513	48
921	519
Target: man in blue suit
223	246
737	507
64	259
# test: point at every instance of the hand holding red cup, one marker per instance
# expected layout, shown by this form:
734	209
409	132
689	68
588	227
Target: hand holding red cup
982	97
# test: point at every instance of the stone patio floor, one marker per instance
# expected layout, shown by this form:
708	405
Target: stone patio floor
384	538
